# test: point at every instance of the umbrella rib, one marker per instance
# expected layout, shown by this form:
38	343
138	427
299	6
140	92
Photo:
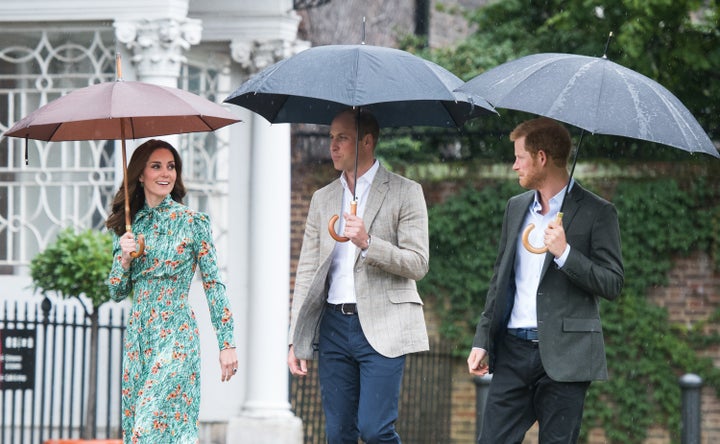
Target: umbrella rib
52	134
202	118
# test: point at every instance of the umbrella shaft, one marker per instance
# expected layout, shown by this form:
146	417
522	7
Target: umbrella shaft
128	226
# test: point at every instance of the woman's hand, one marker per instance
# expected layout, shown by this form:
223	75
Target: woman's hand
228	363
127	245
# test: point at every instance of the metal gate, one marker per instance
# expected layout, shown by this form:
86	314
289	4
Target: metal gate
45	364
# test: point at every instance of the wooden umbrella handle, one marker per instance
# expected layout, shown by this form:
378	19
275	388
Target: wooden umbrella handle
331	224
526	235
128	226
140	242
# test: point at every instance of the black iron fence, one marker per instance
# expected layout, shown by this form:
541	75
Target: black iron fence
425	399
45	363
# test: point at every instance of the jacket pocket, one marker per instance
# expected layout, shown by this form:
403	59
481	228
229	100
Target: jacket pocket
403	296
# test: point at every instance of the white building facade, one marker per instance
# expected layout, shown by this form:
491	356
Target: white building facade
240	174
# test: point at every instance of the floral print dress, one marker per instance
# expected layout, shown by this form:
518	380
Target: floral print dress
161	364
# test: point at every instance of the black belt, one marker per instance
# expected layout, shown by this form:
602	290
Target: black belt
528	334
346	309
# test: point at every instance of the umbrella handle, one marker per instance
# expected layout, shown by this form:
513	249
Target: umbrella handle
141	247
526	235
140	242
331	224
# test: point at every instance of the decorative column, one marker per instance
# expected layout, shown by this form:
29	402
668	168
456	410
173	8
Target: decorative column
157	46
265	416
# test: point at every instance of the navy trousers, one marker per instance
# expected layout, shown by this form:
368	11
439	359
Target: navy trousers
521	393
360	388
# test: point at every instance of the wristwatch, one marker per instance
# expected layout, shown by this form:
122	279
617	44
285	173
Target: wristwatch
368	241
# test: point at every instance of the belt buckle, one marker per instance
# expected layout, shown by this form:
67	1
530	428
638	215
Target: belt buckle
342	310
534	330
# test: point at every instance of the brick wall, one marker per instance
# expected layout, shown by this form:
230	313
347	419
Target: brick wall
693	294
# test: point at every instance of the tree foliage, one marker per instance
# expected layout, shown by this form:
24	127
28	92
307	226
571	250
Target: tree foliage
76	264
674	42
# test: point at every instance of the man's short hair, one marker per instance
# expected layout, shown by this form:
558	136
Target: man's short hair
545	134
367	124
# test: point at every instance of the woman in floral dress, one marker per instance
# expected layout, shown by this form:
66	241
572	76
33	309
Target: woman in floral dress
161	365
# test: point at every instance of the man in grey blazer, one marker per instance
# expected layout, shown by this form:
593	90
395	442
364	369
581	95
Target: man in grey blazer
356	302
540	333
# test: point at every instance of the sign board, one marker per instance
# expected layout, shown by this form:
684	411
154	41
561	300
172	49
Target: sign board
17	359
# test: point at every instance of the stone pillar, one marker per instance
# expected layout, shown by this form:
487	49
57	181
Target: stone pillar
157	46
265	416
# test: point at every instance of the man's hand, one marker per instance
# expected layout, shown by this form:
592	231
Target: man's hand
477	362
555	238
298	367
355	231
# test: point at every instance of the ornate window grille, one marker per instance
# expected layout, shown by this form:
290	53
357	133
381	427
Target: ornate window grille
71	184
63	184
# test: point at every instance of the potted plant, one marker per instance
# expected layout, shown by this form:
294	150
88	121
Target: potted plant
77	264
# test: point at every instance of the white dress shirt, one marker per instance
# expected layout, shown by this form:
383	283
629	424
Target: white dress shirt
528	266
342	280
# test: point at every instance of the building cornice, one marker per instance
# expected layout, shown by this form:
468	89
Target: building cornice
90	10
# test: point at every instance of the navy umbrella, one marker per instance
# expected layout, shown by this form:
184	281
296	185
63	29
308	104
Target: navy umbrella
398	88
594	94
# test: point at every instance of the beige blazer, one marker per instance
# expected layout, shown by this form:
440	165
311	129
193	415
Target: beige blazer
389	306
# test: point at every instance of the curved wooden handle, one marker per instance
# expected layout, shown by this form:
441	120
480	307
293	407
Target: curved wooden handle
526	235
331	224
141	247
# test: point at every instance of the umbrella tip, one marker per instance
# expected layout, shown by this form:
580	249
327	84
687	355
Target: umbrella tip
363	31
607	44
118	66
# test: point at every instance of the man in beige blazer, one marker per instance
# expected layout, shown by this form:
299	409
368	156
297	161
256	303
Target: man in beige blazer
356	302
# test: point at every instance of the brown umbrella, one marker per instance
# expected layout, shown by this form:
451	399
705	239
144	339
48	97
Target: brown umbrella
122	110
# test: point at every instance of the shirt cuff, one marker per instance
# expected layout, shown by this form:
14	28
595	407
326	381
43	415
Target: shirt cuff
560	261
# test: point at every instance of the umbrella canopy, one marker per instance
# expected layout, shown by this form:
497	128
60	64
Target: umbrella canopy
398	88
594	94
122	110
145	110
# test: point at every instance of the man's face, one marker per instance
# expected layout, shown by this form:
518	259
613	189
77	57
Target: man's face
526	166
342	142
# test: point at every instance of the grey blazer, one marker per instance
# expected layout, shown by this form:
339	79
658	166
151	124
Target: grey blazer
571	338
389	306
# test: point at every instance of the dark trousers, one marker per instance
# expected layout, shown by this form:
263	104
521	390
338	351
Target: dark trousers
360	388
521	393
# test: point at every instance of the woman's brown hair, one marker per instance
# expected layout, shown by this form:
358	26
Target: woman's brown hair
116	219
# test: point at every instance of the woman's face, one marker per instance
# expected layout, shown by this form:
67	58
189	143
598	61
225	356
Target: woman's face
158	176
